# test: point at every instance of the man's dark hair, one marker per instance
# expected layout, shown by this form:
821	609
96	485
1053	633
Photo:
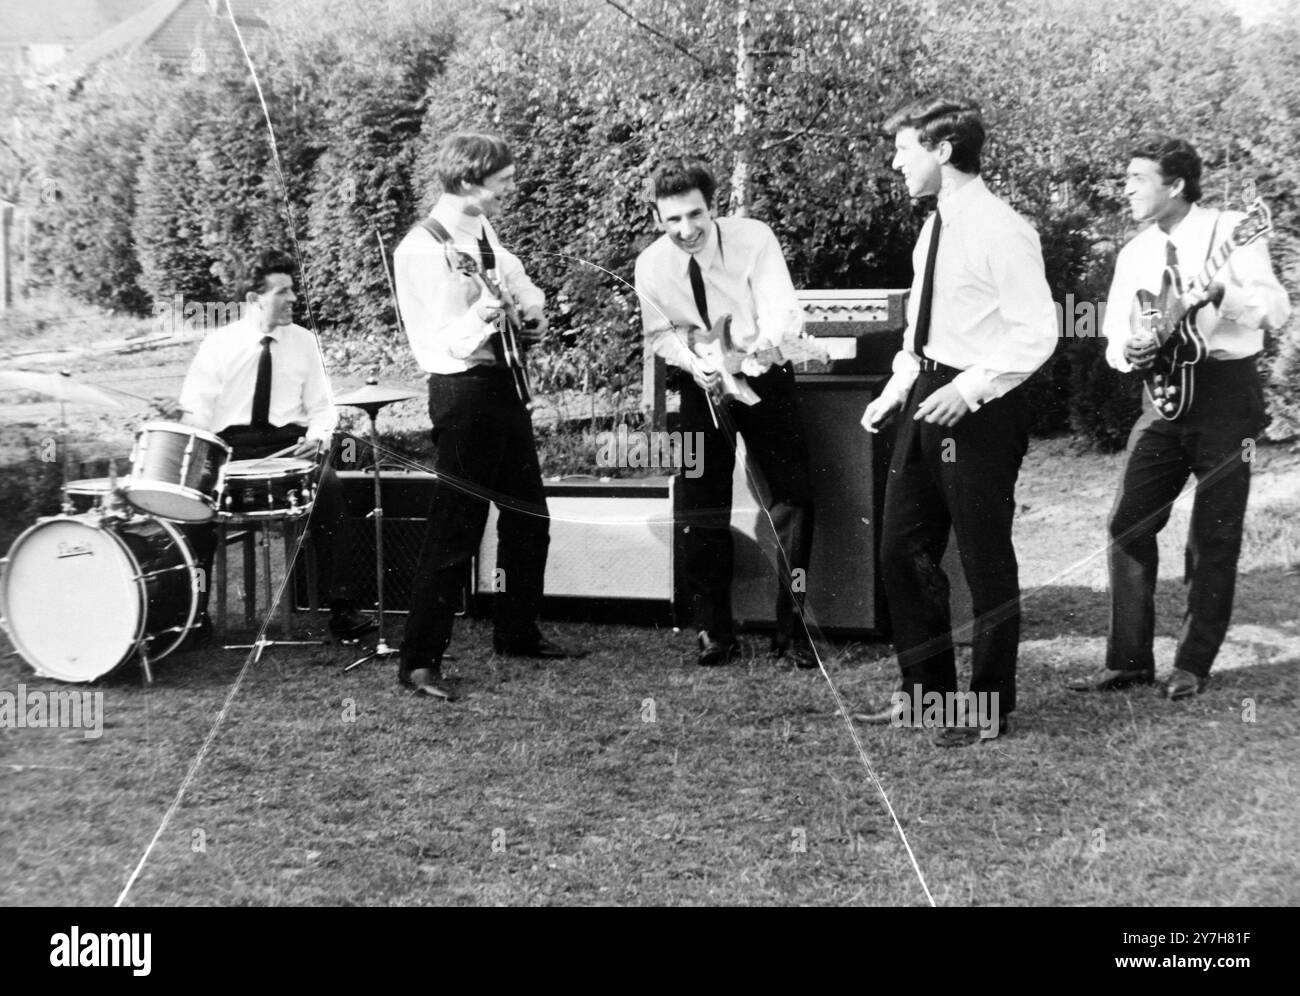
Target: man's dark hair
938	120
468	158
271	261
681	177
1177	160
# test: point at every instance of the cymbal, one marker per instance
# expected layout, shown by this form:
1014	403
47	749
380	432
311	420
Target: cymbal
59	386
374	395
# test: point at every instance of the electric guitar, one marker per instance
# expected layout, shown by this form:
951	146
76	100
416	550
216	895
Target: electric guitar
510	326
716	345
1169	317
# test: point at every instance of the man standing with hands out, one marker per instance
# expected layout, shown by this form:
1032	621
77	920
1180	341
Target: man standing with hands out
980	321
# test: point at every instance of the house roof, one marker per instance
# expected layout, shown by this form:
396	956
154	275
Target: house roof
166	28
61	22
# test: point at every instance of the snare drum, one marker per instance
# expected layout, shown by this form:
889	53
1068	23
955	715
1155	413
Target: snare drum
80	594
176	471
271	488
93	494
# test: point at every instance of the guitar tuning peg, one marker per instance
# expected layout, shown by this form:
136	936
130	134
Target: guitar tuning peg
1172	391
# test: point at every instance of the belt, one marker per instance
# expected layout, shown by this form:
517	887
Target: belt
934	366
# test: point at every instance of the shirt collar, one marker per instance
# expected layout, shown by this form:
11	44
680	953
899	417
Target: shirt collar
705	256
953	203
1191	227
463	228
255	324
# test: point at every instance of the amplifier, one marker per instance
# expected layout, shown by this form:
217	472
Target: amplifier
849	469
611	552
406	496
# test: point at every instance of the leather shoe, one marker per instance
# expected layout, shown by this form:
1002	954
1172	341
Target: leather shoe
540	648
894	714
714	653
347	623
800	653
427	681
1107	680
1183	684
964	736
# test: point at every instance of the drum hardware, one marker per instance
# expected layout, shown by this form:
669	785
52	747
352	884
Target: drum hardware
177	471
370	399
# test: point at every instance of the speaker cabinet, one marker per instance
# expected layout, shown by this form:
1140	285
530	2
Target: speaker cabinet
849	467
611	552
406	496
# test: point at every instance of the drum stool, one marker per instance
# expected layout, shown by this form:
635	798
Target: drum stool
248	530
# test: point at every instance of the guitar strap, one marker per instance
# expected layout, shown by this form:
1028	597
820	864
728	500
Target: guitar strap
435	228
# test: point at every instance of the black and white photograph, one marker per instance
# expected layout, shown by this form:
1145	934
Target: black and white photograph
651	453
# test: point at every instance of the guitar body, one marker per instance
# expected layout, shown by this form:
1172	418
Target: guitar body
1170	381
506	344
510	328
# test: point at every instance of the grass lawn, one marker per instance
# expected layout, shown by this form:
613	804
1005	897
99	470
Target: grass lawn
635	777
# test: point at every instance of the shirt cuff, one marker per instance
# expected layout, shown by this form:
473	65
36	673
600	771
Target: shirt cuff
974	388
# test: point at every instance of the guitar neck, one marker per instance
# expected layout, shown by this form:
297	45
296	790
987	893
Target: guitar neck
1208	272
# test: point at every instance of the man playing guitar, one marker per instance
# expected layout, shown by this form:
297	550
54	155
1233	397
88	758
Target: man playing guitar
711	288
1208	433
479	409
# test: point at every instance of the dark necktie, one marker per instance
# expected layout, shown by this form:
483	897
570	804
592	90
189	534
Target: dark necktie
697	289
1171	254
262	389
923	309
487	255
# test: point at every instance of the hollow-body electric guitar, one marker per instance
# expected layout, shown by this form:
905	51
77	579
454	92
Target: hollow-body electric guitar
1169	316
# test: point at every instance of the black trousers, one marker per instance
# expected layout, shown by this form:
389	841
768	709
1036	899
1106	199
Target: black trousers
1214	441
774	439
329	538
485	453
959	478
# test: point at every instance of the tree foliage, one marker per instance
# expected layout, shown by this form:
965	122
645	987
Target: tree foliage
165	185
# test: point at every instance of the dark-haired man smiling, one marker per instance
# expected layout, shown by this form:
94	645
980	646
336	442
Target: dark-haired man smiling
701	268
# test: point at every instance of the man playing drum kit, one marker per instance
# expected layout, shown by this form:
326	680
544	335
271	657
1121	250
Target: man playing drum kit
259	383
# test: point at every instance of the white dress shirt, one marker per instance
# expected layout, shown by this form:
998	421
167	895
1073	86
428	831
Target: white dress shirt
218	389
439	304
1252	297
992	315
744	276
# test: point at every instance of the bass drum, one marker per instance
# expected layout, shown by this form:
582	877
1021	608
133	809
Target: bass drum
80	594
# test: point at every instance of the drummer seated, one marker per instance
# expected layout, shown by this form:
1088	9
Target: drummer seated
259	383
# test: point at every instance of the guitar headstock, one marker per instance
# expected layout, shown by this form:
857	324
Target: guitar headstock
1256	225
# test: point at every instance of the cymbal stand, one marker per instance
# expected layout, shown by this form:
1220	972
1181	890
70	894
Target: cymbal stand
382	649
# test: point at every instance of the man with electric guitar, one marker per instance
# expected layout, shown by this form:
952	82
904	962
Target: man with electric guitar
469	310
1191	297
717	302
